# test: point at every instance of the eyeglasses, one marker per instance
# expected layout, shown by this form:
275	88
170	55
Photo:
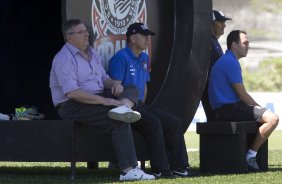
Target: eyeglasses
79	32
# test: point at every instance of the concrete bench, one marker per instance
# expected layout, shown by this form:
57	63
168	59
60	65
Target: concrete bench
223	146
59	141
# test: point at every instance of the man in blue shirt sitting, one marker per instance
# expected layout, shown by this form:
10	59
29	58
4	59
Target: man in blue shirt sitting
162	130
229	98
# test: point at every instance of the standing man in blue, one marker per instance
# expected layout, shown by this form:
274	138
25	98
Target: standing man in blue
230	100
163	131
218	25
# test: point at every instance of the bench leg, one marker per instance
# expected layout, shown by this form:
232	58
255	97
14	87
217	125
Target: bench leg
143	165
73	170
74	150
92	165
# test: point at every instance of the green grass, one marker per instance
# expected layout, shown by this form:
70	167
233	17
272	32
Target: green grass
59	173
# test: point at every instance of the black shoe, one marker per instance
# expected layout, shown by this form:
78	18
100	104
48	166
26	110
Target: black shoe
184	172
252	165
192	172
163	174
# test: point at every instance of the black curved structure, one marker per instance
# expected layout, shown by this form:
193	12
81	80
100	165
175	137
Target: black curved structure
179	52
183	86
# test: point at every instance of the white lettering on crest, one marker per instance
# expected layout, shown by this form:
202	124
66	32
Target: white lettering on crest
108	49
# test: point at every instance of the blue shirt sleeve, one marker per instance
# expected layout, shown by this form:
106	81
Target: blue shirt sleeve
117	67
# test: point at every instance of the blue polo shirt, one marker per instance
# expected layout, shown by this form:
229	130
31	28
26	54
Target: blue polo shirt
225	72
216	50
130	69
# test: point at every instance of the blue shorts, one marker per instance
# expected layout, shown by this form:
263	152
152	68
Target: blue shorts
239	111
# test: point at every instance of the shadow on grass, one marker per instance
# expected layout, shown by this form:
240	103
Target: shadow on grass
62	175
38	174
274	168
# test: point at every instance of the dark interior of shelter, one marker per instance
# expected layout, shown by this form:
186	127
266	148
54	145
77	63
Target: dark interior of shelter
30	37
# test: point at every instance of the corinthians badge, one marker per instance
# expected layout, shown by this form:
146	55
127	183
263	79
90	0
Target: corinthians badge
110	20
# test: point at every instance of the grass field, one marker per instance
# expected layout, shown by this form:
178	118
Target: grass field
59	173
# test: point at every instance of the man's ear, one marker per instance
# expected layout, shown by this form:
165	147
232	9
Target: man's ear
68	37
234	45
132	38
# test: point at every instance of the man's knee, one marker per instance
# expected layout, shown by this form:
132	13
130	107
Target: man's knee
275	120
132	89
173	125
270	118
175	122
131	93
178	123
155	125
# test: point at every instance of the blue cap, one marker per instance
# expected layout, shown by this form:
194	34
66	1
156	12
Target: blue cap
138	28
219	16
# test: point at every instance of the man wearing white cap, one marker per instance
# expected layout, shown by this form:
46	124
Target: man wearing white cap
162	130
218	25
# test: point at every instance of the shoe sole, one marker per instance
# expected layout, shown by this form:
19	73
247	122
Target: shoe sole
157	175
160	176
37	117
128	117
253	170
136	179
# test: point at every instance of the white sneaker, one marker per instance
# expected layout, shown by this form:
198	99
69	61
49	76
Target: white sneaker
4	117
125	114
136	174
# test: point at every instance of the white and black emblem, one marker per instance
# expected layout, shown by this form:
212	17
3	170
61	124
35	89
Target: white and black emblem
110	20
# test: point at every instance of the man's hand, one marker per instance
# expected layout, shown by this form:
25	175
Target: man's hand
117	89
115	86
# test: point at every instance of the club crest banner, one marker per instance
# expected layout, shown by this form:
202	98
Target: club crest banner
110	20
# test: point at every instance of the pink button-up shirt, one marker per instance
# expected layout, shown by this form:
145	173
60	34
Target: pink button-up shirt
70	71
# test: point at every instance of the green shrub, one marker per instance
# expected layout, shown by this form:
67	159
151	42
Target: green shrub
267	77
270	6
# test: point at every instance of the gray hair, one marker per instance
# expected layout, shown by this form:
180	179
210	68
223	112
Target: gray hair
68	25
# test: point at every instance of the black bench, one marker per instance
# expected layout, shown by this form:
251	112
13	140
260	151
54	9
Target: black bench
59	141
223	146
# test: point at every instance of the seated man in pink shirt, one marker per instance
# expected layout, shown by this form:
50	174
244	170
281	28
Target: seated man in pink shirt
81	90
